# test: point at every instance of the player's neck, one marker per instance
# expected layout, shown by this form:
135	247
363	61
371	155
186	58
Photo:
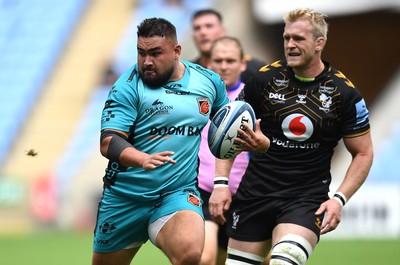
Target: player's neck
311	71
179	72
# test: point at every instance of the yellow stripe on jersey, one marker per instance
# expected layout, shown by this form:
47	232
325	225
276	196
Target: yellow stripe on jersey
357	134
348	82
275	64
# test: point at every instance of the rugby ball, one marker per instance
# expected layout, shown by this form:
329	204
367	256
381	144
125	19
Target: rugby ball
224	126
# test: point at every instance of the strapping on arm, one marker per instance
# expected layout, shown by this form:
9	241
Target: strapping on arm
117	144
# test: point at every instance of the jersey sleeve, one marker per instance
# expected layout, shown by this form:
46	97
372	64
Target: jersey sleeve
355	113
120	110
221	95
355	116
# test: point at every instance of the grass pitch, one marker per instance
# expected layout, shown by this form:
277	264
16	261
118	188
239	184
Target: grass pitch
76	248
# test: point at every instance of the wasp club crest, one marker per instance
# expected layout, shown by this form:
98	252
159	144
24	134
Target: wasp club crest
204	106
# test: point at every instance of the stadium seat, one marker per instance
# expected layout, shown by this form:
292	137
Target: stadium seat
32	35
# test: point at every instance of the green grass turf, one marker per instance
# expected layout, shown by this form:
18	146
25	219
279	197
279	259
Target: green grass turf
75	248
356	252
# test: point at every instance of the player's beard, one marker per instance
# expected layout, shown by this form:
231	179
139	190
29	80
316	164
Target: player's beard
159	79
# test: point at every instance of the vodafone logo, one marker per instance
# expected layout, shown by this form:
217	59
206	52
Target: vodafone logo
297	127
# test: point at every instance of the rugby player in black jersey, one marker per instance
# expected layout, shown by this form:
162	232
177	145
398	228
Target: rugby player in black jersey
305	106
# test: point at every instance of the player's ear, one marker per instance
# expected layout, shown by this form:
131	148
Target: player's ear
243	66
320	44
224	31
177	50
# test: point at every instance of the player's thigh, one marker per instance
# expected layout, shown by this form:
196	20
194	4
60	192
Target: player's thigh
211	233
183	234
211	243
120	257
259	248
287	228
121	224
298	217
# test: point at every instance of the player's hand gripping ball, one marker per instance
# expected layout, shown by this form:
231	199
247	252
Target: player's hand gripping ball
224	126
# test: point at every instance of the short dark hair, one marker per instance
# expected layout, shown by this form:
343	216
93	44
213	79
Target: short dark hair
151	27
209	11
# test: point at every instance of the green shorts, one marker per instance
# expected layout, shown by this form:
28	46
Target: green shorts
123	222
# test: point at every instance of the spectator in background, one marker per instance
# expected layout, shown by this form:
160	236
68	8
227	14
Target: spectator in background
109	77
207	26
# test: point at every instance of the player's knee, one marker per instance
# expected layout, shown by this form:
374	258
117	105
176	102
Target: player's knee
291	249
190	256
236	257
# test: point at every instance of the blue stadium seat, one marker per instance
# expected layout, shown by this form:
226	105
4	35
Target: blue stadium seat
32	35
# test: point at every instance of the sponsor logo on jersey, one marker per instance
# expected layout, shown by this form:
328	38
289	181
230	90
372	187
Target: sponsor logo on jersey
276	97
102	241
112	171
176	130
326	102
193	199
294	145
298	128
301	99
204	106
235	220
157	103
326	89
107	228
158	108
177	92
318	222
203	70
362	112
281	82
172	86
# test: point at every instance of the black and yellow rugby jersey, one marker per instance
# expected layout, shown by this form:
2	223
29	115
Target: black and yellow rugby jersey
304	122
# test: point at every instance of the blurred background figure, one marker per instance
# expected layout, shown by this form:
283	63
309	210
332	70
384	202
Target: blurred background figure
207	26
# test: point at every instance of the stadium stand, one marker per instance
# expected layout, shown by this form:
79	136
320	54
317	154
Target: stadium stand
32	35
61	102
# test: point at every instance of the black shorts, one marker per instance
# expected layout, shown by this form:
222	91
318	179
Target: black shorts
254	219
222	236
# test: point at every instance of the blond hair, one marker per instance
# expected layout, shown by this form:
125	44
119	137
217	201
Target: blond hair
317	20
